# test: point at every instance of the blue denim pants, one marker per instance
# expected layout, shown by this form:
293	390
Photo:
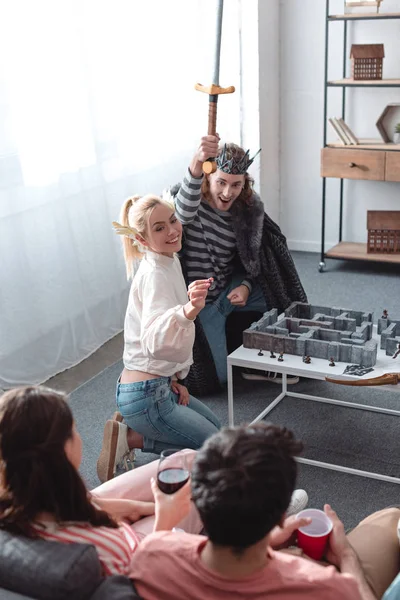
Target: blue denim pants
213	320
151	408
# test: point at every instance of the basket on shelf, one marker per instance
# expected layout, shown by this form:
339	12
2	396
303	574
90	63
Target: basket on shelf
383	231
367	61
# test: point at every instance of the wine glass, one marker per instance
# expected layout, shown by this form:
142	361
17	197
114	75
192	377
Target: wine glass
173	471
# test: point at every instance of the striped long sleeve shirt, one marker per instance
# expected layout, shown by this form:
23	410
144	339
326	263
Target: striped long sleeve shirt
115	547
210	244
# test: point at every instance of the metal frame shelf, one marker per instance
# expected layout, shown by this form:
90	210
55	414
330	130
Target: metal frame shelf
344	84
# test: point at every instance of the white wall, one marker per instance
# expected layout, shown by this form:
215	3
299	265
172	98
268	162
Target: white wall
269	110
300	115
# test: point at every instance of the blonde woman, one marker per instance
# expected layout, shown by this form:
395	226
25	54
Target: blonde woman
157	410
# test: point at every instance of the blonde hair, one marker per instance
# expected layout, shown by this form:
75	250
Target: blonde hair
134	218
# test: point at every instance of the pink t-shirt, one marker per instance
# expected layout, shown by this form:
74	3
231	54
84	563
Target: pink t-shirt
167	566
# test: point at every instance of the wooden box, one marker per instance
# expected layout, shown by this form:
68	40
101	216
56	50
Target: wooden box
383	231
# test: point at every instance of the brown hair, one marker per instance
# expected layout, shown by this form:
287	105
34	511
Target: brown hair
135	213
35	473
236	152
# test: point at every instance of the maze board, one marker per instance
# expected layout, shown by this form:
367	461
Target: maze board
317	331
389	330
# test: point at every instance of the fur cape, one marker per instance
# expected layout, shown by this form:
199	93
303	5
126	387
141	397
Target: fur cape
265	258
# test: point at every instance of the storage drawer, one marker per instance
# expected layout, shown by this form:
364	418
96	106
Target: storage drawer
353	164
392	171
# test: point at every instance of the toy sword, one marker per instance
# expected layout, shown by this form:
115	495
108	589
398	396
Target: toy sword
386	379
213	91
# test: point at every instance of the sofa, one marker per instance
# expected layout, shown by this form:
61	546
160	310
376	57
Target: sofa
34	569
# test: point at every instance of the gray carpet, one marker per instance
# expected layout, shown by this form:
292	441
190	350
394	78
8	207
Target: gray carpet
346	436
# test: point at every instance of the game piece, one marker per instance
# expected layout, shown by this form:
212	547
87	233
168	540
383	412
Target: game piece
280	357
261	353
332	362
271	354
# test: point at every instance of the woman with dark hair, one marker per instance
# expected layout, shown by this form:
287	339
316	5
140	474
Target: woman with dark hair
42	494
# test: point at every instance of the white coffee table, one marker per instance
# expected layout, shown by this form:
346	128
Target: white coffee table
318	369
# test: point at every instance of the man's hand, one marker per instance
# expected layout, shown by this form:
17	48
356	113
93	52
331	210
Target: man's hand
338	544
182	392
197	292
208	148
342	554
170	508
239	295
282	537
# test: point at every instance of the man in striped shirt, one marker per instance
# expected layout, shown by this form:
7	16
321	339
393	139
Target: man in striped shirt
205	206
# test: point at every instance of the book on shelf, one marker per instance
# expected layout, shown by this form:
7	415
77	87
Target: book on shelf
343	131
337	130
350	134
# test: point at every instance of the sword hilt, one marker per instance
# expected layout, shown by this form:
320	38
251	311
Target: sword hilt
214	90
210	166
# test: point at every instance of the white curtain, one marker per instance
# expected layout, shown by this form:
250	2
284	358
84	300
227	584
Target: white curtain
96	103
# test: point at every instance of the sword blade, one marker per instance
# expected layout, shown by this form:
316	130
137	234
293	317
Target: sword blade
217	47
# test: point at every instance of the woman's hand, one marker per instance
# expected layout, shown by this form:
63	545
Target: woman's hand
182	392
170	508
239	295
282	537
124	509
197	292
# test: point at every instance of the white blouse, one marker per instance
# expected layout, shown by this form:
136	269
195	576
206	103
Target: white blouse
158	337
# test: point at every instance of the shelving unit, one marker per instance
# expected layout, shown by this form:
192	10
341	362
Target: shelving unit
370	159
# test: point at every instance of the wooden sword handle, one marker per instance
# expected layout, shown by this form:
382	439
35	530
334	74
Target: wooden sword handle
210	166
386	379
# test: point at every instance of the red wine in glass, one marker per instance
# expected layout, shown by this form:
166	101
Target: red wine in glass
171	480
172	471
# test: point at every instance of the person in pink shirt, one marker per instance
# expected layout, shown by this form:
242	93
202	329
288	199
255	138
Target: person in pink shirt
242	481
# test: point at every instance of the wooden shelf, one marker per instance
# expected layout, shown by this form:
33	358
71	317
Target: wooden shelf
364	83
361	17
356	251
367	144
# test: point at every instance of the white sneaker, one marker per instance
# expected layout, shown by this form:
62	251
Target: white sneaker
114	448
298	502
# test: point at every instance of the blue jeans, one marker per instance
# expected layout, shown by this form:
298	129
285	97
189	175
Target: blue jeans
151	408
213	320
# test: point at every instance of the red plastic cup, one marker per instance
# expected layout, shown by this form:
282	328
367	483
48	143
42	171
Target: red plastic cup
313	538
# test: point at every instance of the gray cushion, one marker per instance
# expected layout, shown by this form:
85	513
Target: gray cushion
115	588
7	595
48	570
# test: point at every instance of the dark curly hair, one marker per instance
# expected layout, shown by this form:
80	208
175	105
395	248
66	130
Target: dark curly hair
35	473
242	482
233	151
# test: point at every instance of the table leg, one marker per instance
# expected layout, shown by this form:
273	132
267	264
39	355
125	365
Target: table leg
230	396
